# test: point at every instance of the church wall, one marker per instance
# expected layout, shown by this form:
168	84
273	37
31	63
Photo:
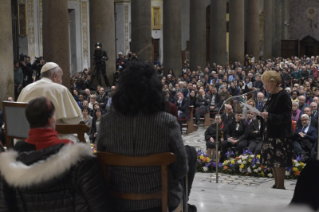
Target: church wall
304	19
158	33
185	22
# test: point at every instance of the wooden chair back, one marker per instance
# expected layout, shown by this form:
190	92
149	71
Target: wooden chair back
17	125
160	159
190	122
15	121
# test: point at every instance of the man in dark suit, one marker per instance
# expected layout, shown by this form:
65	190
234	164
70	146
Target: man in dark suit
260	101
236	134
314	110
228	116
182	105
215	101
102	98
254	136
313	121
202	105
304	137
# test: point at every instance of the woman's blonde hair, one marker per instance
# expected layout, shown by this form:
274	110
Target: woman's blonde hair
271	76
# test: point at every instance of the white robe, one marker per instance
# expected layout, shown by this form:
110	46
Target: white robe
67	110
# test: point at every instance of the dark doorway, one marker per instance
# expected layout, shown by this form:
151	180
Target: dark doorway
155	49
309	46
289	48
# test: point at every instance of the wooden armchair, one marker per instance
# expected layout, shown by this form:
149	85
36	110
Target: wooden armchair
161	159
17	126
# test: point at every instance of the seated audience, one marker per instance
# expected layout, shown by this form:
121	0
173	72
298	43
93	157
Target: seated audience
313	121
304	137
254	136
202	105
46	173
192	98
228	116
302	102
141	112
295	113
215	100
182	105
87	118
210	136
236	135
95	124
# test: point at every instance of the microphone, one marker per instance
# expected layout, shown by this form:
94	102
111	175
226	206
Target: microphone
245	94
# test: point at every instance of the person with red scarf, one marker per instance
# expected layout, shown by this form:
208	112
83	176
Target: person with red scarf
46	173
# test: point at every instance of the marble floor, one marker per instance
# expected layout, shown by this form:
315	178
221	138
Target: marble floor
235	193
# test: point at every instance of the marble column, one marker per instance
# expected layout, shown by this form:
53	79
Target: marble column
197	50
268	29
6	52
278	27
285	19
253	28
141	41
102	29
218	32
56	36
171	35
236	31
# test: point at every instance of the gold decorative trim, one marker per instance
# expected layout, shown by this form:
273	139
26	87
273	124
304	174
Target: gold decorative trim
156	18
126	28
22	19
85	31
31	35
41	32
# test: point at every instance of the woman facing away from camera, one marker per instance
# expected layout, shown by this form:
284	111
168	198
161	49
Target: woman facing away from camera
138	126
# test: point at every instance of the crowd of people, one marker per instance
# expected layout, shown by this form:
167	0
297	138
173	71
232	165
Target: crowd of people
287	99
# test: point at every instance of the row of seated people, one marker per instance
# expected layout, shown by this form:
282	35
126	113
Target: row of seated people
236	133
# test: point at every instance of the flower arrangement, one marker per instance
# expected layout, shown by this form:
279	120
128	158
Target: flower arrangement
93	147
246	164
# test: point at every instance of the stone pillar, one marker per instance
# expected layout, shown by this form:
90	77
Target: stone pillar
141	43
6	53
171	35
56	36
218	53
278	32
102	29
285	19
236	31
253	28
197	50
268	30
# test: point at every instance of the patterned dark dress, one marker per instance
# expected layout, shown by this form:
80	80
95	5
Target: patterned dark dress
276	150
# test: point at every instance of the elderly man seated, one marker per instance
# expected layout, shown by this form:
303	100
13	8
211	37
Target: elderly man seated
304	137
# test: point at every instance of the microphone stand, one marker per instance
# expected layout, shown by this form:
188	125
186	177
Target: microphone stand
217	155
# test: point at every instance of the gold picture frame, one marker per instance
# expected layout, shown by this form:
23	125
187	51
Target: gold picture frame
22	19
156	18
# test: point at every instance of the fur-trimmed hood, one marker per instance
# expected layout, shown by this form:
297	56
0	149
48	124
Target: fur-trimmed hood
18	174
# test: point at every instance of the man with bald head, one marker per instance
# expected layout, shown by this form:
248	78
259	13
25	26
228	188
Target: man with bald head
313	121
302	102
260	101
50	86
228	115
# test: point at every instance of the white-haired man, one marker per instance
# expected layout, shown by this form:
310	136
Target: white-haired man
304	137
50	86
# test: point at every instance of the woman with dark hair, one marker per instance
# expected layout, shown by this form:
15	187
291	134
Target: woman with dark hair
139	126
171	72
95	124
295	96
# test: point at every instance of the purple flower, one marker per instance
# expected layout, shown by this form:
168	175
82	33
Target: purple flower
199	161
213	164
247	152
220	165
244	170
300	158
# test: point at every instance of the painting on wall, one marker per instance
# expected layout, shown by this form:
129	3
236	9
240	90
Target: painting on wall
156	18
22	19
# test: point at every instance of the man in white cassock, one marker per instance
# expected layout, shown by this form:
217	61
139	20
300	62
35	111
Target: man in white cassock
50	86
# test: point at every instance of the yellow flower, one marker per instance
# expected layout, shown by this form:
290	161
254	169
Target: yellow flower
232	162
242	166
302	164
262	173
201	157
294	169
208	159
258	156
94	151
268	169
250	160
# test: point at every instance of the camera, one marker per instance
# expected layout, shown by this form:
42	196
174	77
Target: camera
99	57
22	57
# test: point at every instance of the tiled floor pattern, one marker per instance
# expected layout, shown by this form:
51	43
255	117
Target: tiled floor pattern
235	193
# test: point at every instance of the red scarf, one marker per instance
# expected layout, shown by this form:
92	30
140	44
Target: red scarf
44	138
